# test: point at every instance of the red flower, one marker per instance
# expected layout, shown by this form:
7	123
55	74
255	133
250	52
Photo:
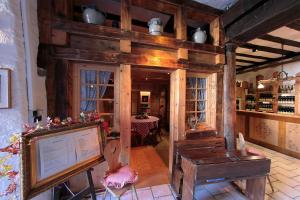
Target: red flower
12	174
13	148
11	188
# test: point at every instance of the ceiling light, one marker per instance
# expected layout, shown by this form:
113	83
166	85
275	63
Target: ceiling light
260	86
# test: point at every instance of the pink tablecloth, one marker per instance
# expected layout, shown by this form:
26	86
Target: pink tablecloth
143	126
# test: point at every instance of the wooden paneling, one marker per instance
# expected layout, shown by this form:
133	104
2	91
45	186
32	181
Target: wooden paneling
274	131
80	42
292	137
265	130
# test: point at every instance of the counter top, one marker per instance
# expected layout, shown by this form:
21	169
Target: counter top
274	116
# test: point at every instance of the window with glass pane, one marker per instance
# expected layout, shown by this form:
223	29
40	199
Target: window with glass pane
195	100
97	92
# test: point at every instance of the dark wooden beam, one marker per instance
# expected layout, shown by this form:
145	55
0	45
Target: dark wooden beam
241	8
269	16
252	56
280	40
137	59
270	63
199	6
295	25
267	49
247	61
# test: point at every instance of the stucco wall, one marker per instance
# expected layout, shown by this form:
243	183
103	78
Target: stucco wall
18	52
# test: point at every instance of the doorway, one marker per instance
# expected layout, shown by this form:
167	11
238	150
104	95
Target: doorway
150	122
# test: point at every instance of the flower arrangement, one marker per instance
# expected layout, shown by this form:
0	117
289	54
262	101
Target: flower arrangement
7	172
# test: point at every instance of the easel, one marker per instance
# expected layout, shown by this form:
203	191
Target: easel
88	190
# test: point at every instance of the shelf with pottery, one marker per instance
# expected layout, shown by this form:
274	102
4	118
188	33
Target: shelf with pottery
111	33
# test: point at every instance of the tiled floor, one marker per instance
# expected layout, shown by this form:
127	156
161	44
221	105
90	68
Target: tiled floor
285	176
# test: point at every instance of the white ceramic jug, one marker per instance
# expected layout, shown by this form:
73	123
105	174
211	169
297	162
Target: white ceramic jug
199	36
92	16
155	26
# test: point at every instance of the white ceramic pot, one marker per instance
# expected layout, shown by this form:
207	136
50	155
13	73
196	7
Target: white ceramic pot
92	16
155	26
199	36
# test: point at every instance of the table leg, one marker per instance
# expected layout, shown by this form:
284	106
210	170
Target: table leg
255	188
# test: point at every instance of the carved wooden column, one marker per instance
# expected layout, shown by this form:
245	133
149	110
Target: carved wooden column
229	96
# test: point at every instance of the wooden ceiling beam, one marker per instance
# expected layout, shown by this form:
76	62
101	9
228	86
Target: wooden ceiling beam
241	8
267	49
295	25
280	40
252	56
267	17
246	61
272	63
199	6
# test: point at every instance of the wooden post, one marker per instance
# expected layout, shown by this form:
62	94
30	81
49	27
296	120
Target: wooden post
177	110
125	112
180	26
215	32
229	97
219	114
125	87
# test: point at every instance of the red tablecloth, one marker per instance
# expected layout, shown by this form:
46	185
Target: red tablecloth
143	126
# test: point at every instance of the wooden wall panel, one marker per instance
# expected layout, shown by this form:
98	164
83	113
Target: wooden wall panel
81	42
265	130
211	100
240	120
202	58
293	137
177	109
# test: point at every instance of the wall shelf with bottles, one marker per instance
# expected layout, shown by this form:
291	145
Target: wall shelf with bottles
275	96
286	97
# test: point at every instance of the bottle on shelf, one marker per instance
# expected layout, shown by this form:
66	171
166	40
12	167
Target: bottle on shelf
286	110
265	107
266	97
286	99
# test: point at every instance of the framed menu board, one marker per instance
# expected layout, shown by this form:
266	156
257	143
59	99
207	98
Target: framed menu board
51	157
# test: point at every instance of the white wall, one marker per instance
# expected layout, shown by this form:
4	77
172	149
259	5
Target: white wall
291	68
19	55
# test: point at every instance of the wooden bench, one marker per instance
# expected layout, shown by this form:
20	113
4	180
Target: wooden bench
205	143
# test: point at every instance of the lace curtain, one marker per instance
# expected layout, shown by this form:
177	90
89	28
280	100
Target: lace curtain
89	88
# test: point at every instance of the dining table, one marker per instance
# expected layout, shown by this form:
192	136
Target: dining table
143	127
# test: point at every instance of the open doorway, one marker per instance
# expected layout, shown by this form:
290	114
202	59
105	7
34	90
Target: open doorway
150	110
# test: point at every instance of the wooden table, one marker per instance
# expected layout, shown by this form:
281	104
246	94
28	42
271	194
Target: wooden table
212	166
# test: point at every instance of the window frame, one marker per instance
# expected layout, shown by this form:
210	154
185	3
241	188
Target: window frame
77	67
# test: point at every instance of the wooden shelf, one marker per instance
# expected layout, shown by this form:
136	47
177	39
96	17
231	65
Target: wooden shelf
96	31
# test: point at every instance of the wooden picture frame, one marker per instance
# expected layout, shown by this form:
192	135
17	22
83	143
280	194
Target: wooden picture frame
31	185
5	88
